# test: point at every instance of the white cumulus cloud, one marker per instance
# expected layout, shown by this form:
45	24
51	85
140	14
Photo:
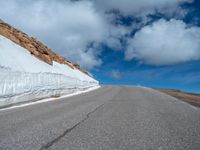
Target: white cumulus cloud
76	28
68	27
140	7
116	74
165	43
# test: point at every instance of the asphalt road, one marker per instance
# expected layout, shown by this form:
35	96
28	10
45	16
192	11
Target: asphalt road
110	118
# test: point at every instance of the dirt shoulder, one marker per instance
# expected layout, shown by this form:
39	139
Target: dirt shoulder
193	99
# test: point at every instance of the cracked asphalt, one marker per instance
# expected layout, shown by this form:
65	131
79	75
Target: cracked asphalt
110	118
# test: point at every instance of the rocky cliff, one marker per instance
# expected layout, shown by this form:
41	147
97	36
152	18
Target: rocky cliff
34	46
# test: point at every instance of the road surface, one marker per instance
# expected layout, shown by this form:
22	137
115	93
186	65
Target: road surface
110	118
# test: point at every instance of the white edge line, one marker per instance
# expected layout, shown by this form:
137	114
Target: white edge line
50	99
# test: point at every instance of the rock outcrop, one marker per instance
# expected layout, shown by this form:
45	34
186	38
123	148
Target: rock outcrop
34	46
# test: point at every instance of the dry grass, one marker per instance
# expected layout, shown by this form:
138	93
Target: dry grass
193	99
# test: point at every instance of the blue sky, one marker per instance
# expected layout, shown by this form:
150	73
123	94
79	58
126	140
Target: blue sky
153	43
183	76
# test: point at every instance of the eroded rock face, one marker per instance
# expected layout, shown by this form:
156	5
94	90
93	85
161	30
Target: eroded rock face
34	46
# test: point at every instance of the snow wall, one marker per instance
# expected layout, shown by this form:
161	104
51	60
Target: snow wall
23	77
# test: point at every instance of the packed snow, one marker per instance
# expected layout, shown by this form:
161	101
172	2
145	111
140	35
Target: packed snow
24	77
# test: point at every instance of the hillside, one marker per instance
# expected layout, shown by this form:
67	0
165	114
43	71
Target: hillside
34	46
193	99
29	70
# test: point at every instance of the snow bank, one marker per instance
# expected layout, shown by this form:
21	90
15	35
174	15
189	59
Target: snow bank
24	77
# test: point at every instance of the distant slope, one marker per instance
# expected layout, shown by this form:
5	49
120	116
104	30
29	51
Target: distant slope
31	71
193	99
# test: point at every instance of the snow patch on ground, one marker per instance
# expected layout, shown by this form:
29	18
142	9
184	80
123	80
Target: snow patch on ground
24	77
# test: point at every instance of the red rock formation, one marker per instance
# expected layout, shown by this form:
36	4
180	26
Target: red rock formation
34	46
